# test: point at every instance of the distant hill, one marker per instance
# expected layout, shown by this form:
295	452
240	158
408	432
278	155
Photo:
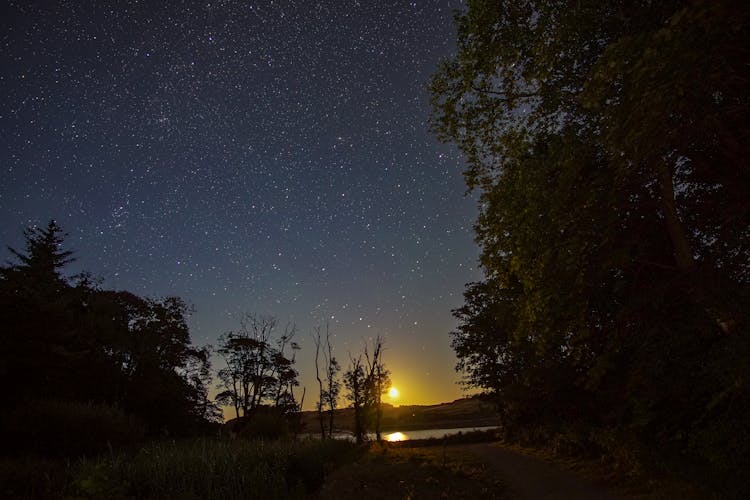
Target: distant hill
465	412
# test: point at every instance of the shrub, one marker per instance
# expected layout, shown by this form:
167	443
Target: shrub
69	428
264	423
313	460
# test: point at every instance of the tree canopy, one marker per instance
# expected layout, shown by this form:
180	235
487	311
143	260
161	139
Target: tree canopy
65	339
366	380
609	144
258	370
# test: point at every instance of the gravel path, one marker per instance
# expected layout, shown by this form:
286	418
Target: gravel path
534	479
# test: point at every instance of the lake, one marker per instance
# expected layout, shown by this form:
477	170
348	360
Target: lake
406	436
429	433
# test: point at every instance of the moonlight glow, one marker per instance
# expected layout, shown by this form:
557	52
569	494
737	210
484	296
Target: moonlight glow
396	436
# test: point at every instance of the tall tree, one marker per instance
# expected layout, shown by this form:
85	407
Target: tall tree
654	92
377	382
42	262
40	349
355	382
608	143
284	371
366	379
66	339
330	385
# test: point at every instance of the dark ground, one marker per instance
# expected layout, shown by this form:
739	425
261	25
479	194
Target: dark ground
491	470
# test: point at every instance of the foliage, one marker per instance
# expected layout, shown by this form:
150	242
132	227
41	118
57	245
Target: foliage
355	383
69	341
366	380
265	422
69	428
257	368
608	143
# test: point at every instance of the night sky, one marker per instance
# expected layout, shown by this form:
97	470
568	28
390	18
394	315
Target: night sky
270	157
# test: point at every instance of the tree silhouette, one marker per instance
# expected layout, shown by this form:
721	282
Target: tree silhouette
366	379
609	147
43	355
355	382
44	258
65	339
330	385
257	371
377	382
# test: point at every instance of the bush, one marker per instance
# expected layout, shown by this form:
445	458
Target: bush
66	428
264	423
310	463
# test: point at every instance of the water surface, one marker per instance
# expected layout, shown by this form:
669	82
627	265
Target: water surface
429	433
408	435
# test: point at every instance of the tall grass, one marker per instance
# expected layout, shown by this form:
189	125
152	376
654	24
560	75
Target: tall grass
212	468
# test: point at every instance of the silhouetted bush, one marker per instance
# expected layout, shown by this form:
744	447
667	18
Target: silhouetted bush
309	464
69	428
264	423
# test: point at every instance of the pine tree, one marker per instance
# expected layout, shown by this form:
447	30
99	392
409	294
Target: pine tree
41	265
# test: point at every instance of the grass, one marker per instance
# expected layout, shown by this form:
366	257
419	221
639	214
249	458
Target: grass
34	477
199	468
224	468
391	470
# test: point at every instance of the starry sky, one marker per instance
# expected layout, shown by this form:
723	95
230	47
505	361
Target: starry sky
249	156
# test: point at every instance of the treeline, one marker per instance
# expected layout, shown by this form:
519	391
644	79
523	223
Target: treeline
81	366
609	144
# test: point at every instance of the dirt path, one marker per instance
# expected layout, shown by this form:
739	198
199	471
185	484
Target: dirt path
532	478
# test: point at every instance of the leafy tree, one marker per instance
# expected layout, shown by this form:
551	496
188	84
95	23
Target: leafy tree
608	143
366	380
66	340
622	84
285	373
165	377
355	382
257	371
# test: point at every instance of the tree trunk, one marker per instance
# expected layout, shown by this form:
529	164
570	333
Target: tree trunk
330	423
378	409
321	397
683	252
358	427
